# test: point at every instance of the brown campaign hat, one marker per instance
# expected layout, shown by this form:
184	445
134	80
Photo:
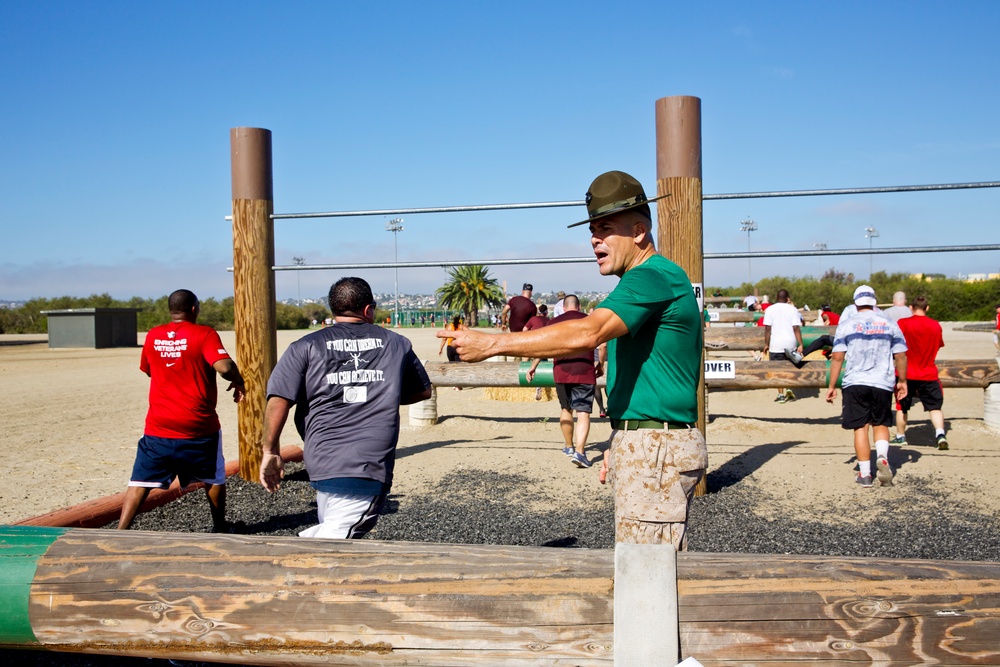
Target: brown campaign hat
614	192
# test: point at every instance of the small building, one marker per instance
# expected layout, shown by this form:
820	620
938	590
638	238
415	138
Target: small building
92	327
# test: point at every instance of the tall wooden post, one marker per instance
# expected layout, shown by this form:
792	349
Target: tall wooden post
679	218
253	283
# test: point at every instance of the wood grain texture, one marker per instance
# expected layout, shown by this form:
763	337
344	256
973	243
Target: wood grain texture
255	314
749	374
288	600
284	600
803	610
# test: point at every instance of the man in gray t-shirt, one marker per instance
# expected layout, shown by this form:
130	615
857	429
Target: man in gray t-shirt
875	353
347	382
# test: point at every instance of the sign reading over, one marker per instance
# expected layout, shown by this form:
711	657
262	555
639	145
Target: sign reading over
720	369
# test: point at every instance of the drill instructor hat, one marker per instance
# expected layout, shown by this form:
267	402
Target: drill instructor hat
614	192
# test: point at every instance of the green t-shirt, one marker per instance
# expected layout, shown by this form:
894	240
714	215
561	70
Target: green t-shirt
653	371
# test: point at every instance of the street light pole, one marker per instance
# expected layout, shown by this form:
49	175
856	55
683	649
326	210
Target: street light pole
870	234
298	261
395	226
748	226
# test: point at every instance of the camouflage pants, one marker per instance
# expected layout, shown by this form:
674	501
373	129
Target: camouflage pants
653	474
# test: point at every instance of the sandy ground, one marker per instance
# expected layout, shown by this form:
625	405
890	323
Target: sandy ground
71	417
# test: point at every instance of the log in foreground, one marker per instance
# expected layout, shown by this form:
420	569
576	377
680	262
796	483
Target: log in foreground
977	373
286	600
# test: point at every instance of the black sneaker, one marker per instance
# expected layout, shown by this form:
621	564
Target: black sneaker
865	482
942	442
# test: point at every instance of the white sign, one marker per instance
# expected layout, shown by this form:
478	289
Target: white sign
714	315
699	295
720	369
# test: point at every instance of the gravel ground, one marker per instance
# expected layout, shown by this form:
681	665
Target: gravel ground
484	507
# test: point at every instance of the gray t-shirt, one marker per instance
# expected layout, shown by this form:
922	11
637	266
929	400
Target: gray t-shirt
869	340
347	381
896	313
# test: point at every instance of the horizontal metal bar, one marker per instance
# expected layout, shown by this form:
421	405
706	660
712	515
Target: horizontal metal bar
853	191
556	204
587	260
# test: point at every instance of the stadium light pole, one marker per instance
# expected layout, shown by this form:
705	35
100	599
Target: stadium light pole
870	233
748	226
298	261
395	226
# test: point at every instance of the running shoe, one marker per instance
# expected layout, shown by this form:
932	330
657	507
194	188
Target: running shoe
884	472
942	442
865	482
794	355
568	451
781	399
898	440
580	460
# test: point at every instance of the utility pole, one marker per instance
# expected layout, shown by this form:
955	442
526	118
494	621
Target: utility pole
298	261
748	226
870	233
395	226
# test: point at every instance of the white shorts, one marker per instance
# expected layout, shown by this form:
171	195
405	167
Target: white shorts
345	516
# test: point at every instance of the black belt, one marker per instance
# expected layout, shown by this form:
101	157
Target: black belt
633	424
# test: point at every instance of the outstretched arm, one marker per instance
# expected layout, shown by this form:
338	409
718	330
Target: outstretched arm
556	340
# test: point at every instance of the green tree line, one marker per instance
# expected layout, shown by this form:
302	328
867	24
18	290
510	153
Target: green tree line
950	300
151	312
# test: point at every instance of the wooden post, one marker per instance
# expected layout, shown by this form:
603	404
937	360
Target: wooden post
253	284
679	218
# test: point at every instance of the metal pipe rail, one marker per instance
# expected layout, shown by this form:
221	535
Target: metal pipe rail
716	197
588	260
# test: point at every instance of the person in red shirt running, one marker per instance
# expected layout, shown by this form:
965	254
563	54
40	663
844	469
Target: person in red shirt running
923	340
182	436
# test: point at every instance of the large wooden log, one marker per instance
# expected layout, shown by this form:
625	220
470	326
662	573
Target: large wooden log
749	609
978	373
280	600
285	600
752	338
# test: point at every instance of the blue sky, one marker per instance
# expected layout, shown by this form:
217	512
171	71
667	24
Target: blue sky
116	118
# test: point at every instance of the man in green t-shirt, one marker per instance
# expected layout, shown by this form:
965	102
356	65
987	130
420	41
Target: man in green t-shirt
653	328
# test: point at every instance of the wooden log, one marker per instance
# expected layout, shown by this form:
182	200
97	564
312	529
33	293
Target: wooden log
254	303
102	511
752	338
978	373
286	600
750	609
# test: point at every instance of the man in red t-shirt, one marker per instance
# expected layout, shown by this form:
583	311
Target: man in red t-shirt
996	332
575	378
520	309
182	436
923	340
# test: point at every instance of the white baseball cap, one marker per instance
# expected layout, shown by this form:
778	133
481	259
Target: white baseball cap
864	296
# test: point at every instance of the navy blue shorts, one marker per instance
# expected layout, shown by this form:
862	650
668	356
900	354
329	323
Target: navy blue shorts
159	460
579	397
864	405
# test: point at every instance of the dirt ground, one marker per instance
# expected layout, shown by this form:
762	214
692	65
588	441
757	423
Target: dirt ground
71	418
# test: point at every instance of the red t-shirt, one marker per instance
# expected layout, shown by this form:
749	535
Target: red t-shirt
178	358
536	322
578	369
923	340
521	310
833	317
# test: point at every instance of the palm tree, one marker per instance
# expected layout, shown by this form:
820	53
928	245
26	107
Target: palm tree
468	289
